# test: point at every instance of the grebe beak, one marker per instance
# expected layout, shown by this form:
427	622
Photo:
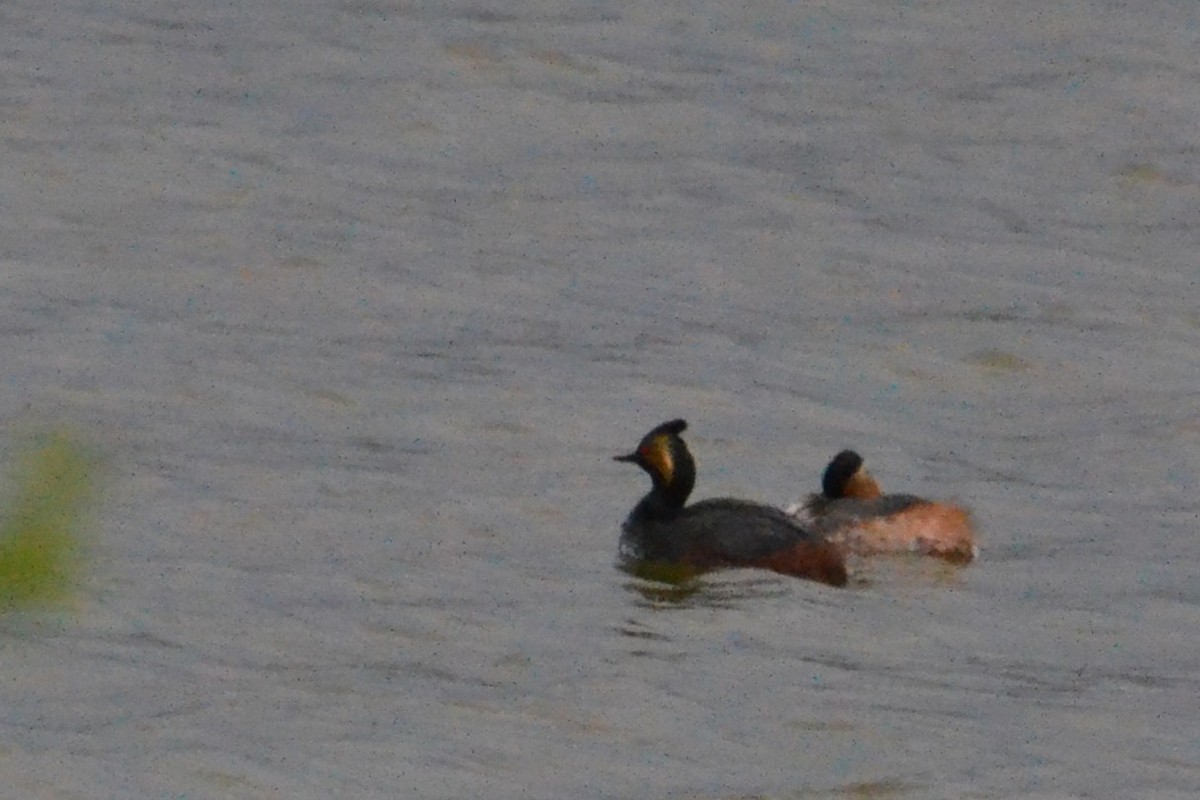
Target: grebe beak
631	458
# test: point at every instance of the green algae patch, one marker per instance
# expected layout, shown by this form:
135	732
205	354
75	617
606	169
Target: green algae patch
41	522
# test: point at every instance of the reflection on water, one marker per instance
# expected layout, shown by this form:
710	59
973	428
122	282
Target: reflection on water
707	591
901	570
667	585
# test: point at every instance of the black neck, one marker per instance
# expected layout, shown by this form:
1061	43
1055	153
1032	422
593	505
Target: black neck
666	499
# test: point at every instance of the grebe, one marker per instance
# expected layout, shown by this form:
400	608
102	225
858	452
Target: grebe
719	532
853	512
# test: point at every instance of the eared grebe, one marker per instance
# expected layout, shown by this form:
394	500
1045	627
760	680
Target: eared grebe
719	532
853	512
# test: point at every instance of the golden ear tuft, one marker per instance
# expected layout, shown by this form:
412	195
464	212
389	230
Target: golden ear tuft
659	456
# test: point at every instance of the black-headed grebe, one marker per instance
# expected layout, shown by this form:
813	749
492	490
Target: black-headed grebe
853	512
719	532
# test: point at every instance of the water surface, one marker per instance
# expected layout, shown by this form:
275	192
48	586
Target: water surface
359	298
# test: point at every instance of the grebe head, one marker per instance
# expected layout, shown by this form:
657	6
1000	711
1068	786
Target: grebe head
847	477
666	458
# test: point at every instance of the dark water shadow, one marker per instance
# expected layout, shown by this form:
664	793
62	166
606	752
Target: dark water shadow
662	585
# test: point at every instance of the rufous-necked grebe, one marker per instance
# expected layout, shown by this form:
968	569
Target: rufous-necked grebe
719	532
853	512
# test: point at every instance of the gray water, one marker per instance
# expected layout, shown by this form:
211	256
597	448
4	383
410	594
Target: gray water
357	299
